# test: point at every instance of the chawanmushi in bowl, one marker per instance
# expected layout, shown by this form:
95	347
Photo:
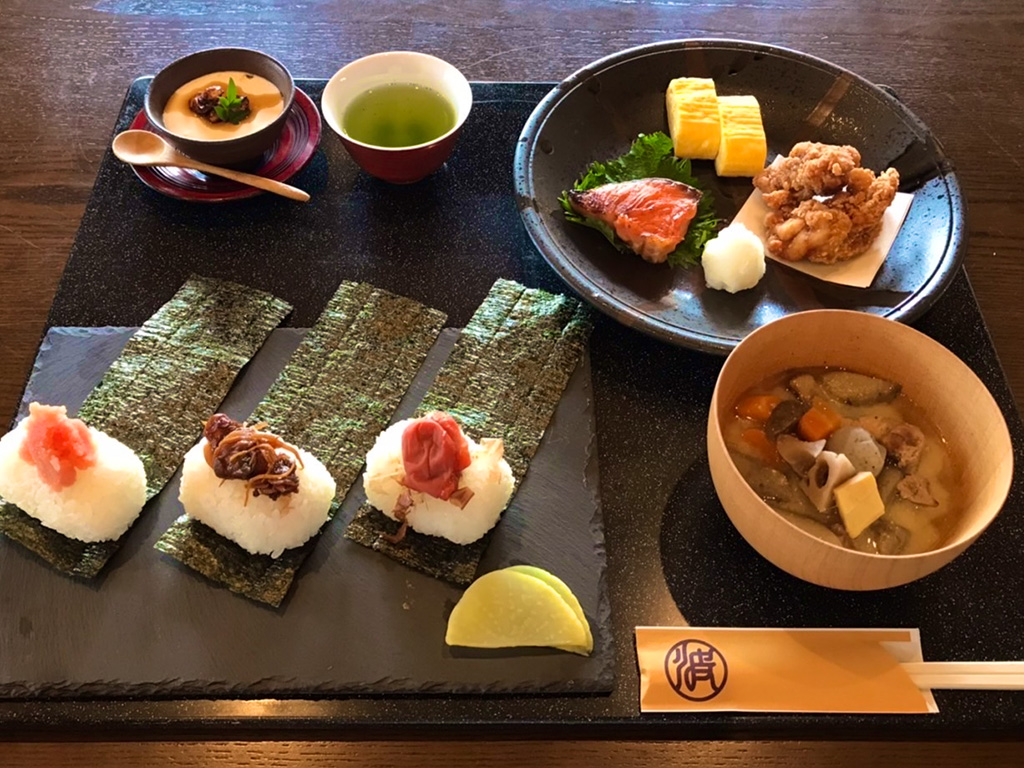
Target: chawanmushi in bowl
225	106
855	452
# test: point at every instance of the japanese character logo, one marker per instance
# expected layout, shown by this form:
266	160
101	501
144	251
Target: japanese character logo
696	670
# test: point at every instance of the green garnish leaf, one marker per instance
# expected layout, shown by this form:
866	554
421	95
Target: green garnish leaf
230	107
650	156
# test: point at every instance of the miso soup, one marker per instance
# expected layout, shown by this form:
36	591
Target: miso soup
848	458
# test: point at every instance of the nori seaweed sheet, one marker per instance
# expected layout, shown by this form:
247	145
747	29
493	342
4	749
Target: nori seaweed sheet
172	374
333	398
504	379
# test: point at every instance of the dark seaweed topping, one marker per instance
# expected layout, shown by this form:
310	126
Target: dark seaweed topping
217	427
235	451
170	375
504	379
334	396
205	102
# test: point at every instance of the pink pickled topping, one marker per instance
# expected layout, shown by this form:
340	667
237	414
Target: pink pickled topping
434	453
56	445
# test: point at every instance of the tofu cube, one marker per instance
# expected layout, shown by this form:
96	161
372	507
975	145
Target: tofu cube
743	148
859	503
693	120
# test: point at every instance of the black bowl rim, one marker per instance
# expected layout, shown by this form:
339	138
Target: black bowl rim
156	120
579	281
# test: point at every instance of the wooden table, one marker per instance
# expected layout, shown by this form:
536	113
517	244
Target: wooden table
66	69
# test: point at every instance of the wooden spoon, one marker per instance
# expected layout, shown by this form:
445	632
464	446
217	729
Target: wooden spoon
146	148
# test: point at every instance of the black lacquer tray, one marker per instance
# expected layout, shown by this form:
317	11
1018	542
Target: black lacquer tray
670	549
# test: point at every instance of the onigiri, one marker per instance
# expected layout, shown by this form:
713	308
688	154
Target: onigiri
72	478
427	474
255	489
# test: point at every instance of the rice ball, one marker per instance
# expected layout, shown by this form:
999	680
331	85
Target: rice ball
258	524
488	476
100	505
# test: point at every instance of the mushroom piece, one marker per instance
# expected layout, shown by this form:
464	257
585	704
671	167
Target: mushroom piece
857	444
205	101
799	454
829	470
775	488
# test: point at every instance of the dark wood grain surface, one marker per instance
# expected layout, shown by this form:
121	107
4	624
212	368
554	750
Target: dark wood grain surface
66	67
539	754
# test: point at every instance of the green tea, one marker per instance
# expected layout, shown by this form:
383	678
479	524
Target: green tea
398	115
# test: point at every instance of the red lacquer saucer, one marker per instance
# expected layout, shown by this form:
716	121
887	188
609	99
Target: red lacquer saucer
289	155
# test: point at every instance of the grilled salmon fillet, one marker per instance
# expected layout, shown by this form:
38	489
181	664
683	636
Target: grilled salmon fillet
650	215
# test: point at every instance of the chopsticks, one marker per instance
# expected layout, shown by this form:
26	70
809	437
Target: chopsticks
967	675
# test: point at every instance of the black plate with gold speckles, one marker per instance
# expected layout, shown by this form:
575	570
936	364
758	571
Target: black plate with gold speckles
598	111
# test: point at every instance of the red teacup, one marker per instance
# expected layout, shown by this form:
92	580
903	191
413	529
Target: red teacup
398	165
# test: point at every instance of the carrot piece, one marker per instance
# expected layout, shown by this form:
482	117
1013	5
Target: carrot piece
758	407
819	422
762	445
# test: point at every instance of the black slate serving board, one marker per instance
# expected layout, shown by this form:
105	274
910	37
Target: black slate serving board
670	551
353	622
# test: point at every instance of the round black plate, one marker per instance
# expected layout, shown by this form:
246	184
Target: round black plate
597	112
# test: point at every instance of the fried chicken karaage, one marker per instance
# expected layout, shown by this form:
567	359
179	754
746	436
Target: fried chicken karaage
824	207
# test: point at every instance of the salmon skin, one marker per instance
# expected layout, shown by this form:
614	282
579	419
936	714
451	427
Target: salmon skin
650	215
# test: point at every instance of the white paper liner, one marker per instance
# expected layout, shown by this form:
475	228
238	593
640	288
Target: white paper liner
858	272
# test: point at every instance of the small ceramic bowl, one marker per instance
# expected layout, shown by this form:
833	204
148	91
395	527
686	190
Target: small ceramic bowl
244	149
399	165
933	377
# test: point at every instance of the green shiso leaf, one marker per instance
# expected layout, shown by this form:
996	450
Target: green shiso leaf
650	156
230	108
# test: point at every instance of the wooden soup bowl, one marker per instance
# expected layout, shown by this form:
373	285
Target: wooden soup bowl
932	376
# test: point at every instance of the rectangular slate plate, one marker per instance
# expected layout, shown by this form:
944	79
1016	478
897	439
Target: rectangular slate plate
443	242
354	621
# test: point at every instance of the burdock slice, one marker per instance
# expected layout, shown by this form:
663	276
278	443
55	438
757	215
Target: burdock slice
504	379
333	398
172	373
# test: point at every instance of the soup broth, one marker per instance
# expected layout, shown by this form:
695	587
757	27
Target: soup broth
798	461
398	115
